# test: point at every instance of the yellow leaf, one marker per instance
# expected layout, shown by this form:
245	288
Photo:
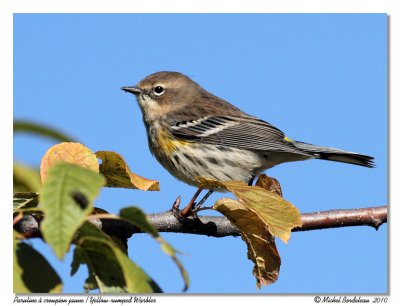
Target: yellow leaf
261	248
279	215
118	174
69	152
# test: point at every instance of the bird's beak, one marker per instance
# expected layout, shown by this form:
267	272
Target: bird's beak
132	89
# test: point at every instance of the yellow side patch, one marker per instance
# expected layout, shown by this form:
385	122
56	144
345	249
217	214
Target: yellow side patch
288	139
168	144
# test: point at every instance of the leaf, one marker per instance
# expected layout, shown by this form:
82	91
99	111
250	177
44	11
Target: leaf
118	174
269	183
137	217
63	215
39	129
79	258
25	200
261	248
90	283
69	152
108	265
279	215
25	179
32	272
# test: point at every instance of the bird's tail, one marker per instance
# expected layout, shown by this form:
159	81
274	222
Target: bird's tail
336	155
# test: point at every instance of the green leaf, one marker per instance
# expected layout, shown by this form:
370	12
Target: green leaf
32	272
79	258
108	265
66	199
90	283
261	248
25	200
138	218
25	179
118	174
279	215
40	130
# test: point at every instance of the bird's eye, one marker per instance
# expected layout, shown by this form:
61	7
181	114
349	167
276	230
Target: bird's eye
158	90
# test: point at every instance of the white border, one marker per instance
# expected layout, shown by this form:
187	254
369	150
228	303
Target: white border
195	6
8	7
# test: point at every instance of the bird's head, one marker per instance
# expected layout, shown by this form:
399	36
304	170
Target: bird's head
164	92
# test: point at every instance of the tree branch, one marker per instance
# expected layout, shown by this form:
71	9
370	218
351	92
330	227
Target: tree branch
219	226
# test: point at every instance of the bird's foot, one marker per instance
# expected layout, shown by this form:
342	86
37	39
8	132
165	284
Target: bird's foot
175	207
187	211
192	207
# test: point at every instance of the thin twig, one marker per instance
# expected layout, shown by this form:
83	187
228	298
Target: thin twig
219	226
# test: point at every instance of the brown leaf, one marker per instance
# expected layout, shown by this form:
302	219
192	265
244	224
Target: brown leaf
270	184
70	152
118	174
279	215
261	248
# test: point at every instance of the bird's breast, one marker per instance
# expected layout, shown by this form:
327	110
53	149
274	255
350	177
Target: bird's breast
161	142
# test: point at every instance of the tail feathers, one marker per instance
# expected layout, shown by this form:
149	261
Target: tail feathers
336	155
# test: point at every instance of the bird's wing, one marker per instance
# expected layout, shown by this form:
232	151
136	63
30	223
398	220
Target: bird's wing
245	132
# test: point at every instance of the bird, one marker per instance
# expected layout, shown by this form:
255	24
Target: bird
195	134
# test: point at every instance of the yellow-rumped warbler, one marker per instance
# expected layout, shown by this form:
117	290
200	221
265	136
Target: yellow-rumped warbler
193	133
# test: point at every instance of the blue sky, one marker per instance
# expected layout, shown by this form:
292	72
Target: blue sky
320	78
